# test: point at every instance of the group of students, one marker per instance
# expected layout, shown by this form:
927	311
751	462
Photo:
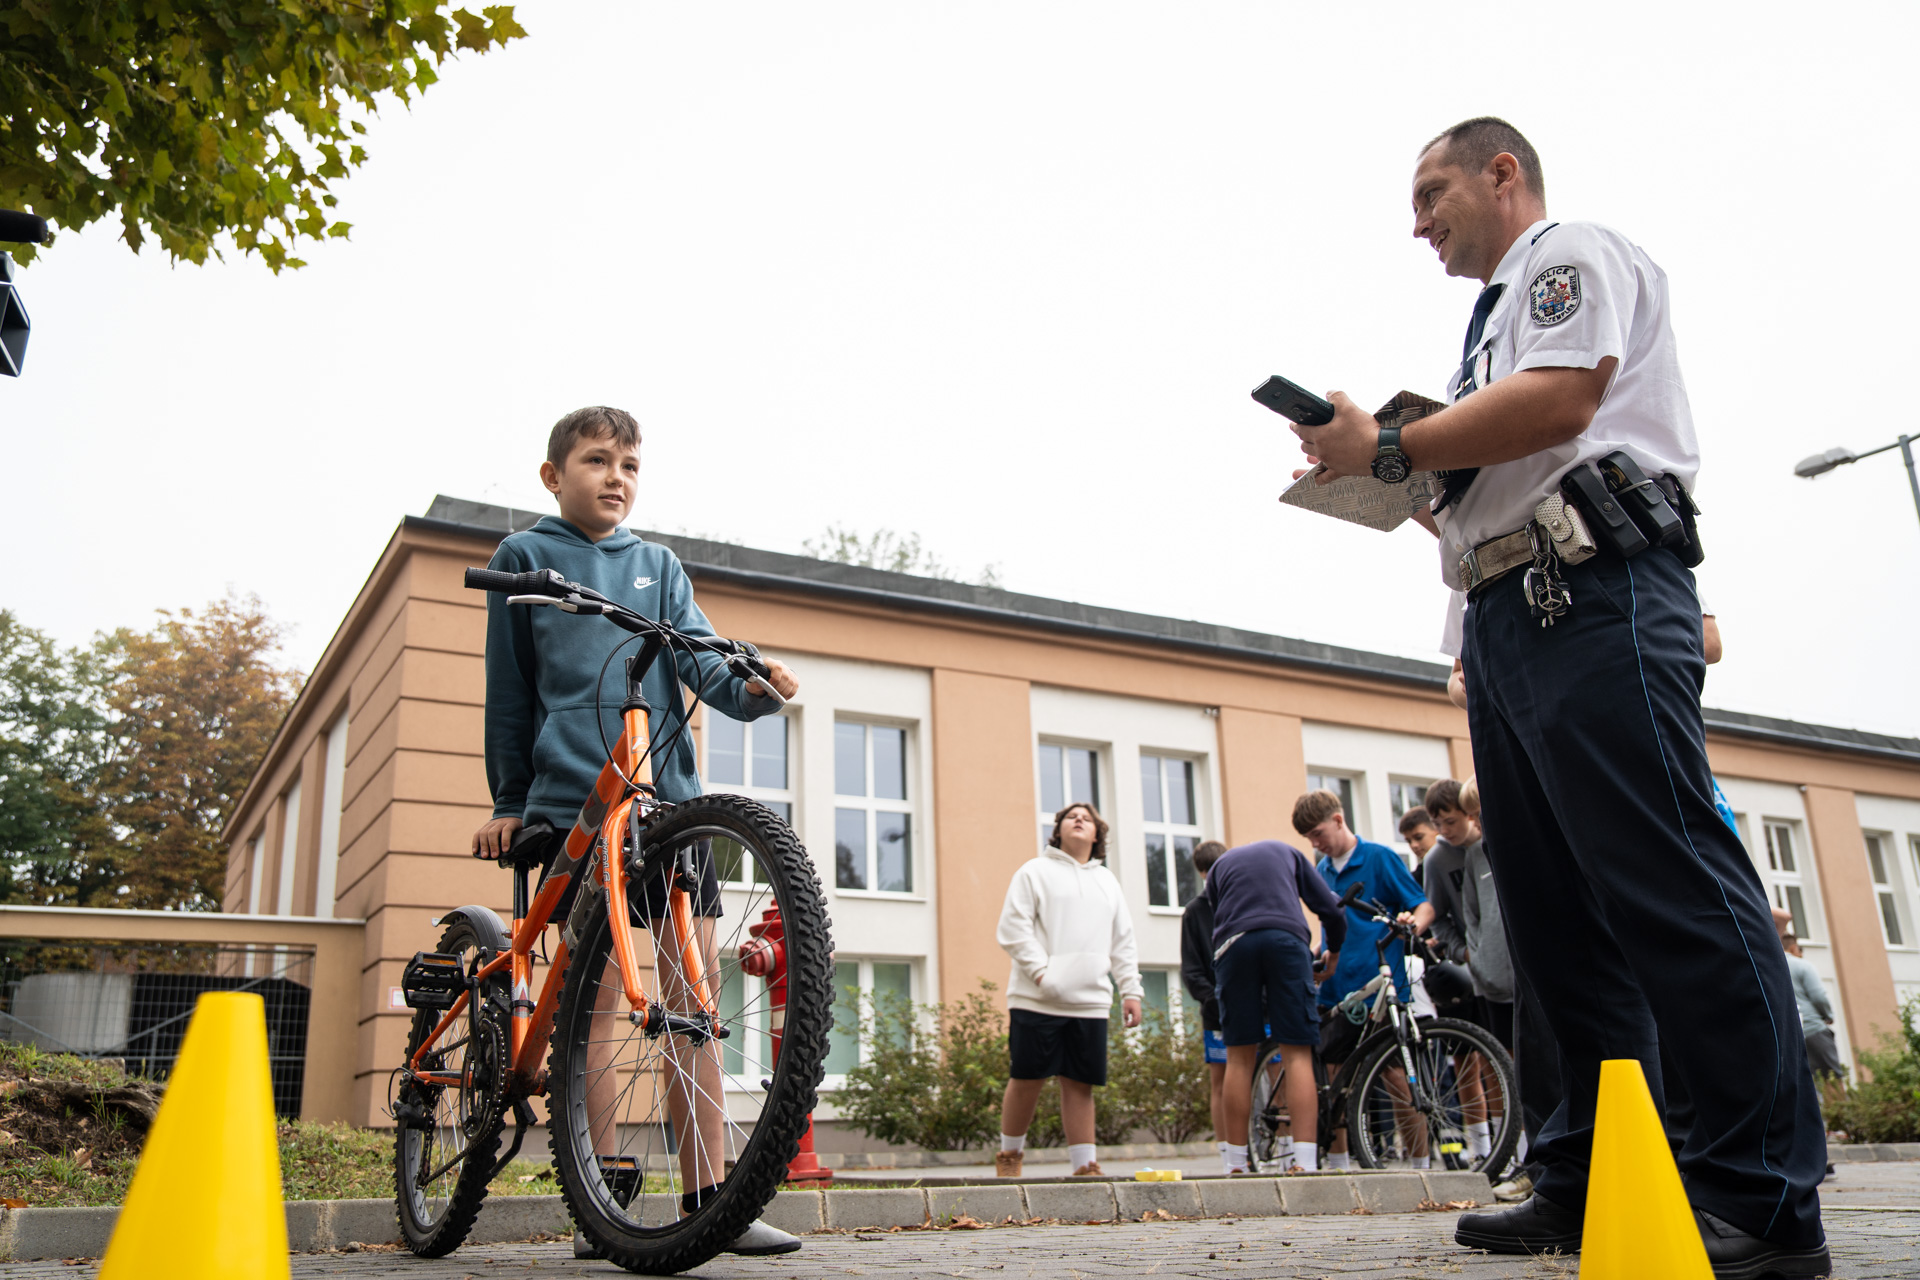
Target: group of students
1251	963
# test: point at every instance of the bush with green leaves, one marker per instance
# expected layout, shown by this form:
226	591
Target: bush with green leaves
1884	1105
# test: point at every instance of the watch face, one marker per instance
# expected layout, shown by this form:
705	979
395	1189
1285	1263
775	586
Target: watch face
1391	468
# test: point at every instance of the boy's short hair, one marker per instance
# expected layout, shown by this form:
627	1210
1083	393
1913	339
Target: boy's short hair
1206	855
1470	797
1099	828
1314	808
1443	796
591	423
1415	817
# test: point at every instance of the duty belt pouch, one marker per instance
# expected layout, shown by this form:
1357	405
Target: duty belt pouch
1606	519
1689	550
1646	504
1572	543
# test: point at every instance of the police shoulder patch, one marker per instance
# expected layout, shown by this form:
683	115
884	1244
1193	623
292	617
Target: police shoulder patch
1554	295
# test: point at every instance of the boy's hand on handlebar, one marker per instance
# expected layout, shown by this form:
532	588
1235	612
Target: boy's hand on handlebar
1130	1011
1324	966
492	839
785	683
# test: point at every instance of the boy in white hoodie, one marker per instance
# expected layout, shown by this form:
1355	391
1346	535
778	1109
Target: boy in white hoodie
1067	928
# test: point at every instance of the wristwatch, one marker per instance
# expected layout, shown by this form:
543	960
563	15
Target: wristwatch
1389	464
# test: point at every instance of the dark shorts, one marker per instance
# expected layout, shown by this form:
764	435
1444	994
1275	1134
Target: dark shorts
1043	1045
649	899
1339	1035
1823	1053
1265	984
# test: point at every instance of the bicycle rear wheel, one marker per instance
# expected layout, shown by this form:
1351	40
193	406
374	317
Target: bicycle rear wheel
1461	1076
640	1121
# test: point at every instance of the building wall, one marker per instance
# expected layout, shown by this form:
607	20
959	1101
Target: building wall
398	799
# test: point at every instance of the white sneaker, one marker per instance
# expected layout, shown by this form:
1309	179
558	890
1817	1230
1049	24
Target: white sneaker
761	1240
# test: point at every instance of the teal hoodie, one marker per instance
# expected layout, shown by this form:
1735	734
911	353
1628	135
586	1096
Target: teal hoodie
544	749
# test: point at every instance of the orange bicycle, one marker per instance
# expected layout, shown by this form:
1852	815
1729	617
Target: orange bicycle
671	1114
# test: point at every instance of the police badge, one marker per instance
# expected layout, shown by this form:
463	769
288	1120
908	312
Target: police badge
1554	295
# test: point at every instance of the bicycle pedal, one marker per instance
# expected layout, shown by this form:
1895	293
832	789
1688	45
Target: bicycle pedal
622	1174
432	980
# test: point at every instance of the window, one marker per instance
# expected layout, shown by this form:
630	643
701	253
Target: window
1172	832
872	835
747	1055
1160	987
1341	785
749	759
1404	795
862	987
1880	863
1783	875
1068	775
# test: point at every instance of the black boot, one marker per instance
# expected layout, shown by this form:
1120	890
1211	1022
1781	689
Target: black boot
1536	1225
1735	1255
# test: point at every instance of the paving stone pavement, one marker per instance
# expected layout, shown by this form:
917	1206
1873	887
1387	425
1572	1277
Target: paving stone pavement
1867	1246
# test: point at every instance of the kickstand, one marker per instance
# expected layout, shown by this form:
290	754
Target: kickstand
522	1117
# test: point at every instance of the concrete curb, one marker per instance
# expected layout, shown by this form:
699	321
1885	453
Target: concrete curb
1875	1152
317	1225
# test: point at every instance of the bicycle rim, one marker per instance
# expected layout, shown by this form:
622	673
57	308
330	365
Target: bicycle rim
448	1136
1268	1122
640	1121
1395	1119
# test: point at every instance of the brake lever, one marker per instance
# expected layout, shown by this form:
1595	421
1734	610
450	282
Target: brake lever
738	665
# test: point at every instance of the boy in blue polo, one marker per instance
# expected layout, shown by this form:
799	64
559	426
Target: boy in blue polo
1344	860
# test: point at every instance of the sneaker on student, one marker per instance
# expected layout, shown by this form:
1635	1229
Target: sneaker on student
761	1240
1091	1169
1514	1189
1007	1164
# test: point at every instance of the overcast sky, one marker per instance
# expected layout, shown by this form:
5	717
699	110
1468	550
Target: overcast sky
1003	275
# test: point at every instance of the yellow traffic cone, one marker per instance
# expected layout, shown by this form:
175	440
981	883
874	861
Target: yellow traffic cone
205	1201
1639	1225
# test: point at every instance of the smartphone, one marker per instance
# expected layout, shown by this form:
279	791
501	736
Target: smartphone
1294	402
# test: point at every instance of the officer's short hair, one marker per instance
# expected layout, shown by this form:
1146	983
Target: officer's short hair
1206	855
595	422
1314	808
1444	797
1415	818
1472	144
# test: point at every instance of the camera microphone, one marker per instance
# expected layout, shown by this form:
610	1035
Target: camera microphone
22	228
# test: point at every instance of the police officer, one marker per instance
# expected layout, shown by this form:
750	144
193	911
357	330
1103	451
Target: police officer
1634	913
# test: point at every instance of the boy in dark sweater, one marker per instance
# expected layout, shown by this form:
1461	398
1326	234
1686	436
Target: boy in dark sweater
1266	975
546	675
1196	972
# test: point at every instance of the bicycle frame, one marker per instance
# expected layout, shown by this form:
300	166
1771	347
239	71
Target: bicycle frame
624	784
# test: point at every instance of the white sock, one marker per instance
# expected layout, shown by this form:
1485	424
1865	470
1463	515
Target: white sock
1285	1146
1080	1154
1008	1142
1226	1160
1338	1160
1306	1157
1479	1138
1423	1162
1236	1157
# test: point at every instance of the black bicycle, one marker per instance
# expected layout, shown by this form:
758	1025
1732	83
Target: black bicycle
1411	1089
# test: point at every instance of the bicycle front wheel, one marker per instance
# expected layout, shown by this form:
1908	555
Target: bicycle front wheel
669	1145
1269	1123
1460	1078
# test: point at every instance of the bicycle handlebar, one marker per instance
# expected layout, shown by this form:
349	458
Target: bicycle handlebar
544	582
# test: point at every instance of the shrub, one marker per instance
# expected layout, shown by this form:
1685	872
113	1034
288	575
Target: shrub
1886	1106
934	1073
1157	1080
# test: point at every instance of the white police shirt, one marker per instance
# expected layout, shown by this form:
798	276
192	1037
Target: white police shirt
1576	293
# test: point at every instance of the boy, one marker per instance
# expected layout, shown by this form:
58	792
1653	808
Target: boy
1264	964
545	746
1196	972
1066	926
1417	829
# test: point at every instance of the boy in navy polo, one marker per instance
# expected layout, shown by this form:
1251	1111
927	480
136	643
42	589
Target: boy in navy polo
1346	859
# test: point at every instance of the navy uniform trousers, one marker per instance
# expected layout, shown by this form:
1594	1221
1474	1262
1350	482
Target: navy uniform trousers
1634	913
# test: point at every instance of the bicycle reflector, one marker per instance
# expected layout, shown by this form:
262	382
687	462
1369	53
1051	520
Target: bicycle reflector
432	980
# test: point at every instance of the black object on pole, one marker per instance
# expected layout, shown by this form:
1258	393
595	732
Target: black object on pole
1821	463
22	228
15	228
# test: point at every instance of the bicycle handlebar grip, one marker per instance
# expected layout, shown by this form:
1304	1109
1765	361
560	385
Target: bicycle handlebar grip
534	582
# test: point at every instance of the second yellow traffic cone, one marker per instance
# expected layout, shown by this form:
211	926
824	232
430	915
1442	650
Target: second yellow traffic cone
206	1199
1639	1225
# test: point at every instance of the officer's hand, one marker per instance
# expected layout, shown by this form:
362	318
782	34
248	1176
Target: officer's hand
1130	1011
1347	445
785	683
491	840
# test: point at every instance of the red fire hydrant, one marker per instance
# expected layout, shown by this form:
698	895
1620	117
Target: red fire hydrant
764	955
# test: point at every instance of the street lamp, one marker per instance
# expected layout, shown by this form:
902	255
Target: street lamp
1821	463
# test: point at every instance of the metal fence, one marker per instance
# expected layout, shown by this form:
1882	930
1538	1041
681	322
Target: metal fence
130	1003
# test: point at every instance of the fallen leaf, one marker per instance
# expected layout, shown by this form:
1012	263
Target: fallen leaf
965	1222
13	1202
7	1139
83	1159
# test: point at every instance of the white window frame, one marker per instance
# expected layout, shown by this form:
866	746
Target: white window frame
1784	885
1887	889
788	795
1353	802
1169	830
1393	784
1066	786
873	806
333	795
864	1007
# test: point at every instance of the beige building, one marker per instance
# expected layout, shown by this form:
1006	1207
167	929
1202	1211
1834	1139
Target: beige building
991	708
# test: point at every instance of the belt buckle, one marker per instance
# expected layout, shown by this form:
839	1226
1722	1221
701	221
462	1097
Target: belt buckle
1470	576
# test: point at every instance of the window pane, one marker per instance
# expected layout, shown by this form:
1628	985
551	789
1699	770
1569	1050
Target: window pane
1157	871
1796	905
1051	800
849	759
1782	845
1150	807
890	763
770	753
843	1046
895	840
1891	918
726	743
781	807
1155	981
850	848
1180	792
1185	878
1046	834
1875	861
733	999
1080	779
728	860
892	995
